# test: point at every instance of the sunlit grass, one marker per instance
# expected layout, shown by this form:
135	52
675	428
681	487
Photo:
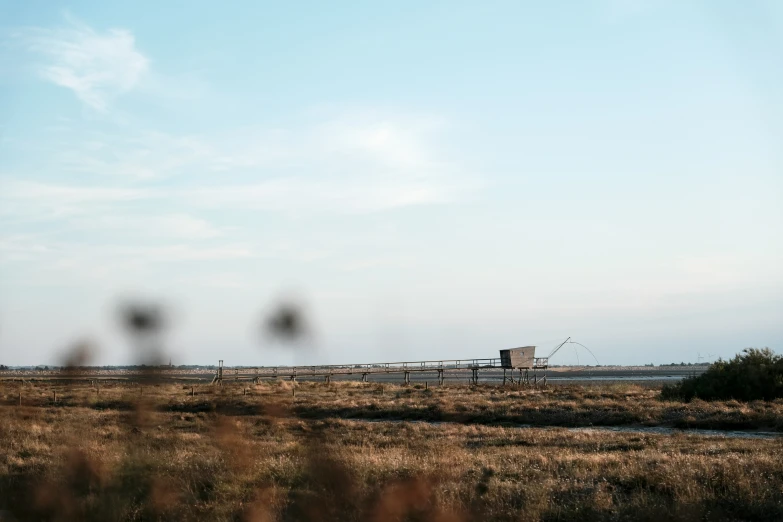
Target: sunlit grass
267	454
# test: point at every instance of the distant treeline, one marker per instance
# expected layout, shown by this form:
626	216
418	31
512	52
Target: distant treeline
649	365
124	367
213	367
682	364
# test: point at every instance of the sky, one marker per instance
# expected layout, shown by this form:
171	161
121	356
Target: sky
426	180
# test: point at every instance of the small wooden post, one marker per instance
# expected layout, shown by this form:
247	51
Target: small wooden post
20	396
244	391
55	395
192	393
426	385
293	392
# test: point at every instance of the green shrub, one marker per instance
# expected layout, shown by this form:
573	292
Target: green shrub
754	374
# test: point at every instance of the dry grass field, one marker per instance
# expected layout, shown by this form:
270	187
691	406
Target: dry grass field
340	452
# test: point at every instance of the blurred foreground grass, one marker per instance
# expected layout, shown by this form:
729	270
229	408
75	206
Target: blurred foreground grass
259	453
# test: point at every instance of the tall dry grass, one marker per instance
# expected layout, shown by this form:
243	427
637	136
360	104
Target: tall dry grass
162	454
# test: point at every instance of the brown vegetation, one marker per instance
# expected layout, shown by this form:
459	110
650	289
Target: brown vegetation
158	453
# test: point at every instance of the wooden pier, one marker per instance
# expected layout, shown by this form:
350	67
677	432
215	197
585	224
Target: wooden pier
519	365
521	360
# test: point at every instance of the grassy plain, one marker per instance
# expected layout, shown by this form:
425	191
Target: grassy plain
339	452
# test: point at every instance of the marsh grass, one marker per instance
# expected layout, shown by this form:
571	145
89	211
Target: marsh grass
267	455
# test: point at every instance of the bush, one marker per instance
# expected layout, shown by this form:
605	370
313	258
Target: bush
754	374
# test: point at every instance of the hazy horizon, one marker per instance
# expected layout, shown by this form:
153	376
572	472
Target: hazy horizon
427	180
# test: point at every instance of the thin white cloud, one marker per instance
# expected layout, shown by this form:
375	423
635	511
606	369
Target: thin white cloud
22	247
96	66
394	140
37	200
46	260
67	194
618	11
143	200
176	227
33	201
303	196
344	164
147	156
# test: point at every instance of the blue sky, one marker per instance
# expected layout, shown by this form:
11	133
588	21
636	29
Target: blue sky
430	179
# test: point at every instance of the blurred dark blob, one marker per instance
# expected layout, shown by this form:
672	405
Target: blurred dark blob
78	355
332	490
142	318
145	324
60	500
287	323
234	444
75	361
163	495
83	473
262	509
412	498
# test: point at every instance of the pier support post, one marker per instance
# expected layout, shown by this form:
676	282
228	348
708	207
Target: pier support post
440	378
407	378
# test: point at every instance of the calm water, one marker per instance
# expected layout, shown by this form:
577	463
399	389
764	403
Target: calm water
653	430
